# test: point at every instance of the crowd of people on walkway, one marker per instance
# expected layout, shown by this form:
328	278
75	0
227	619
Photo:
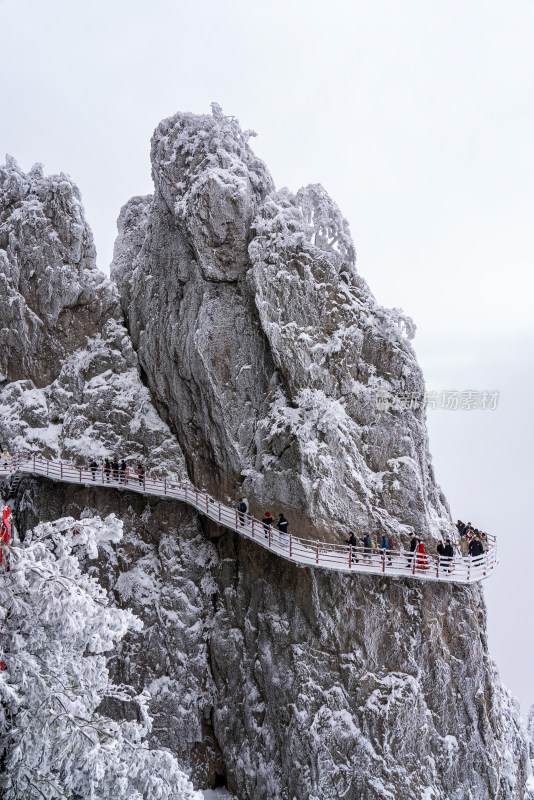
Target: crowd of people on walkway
387	548
366	550
111	470
472	542
114	471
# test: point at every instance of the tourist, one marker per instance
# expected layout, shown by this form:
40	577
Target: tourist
386	546
464	546
367	544
140	474
413	546
115	469
282	527
448	552
122	471
421	557
242	510
107	469
93	466
475	547
353	543
5	537
267	522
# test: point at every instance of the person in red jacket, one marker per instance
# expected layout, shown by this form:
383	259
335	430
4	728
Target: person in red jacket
5	536
421	559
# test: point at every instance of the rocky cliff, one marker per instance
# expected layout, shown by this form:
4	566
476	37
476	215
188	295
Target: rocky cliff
71	383
52	293
263	347
262	350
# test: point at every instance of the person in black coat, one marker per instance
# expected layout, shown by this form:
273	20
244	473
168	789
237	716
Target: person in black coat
140	474
353	542
475	547
448	550
241	511
107	468
413	545
282	527
367	546
352	539
267	522
448	554
94	466
282	523
440	549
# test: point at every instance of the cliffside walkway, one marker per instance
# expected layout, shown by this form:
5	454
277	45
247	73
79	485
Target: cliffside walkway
305	552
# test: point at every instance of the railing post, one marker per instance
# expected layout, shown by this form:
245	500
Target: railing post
47	464
165	486
61	469
207	504
144	483
317	555
252	527
196	497
236	519
437	567
270	535
469	568
80	474
219	512
350	555
290	545
414	560
383	560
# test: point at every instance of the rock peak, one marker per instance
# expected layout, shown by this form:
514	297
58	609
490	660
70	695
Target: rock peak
272	346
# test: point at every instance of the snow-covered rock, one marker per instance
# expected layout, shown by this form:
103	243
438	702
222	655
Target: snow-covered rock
264	351
70	385
52	294
57	624
180	263
265	347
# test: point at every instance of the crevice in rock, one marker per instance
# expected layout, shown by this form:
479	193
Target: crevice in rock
283	450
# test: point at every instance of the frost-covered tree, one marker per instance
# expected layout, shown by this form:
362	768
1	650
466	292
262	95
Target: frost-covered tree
57	623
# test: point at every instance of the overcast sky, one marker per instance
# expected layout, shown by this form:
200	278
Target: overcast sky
416	116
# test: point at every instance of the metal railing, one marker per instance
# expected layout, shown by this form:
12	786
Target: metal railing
306	552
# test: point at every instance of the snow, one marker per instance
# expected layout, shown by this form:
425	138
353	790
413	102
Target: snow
96	408
57	626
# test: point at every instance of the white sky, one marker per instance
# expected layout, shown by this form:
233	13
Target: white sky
417	117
